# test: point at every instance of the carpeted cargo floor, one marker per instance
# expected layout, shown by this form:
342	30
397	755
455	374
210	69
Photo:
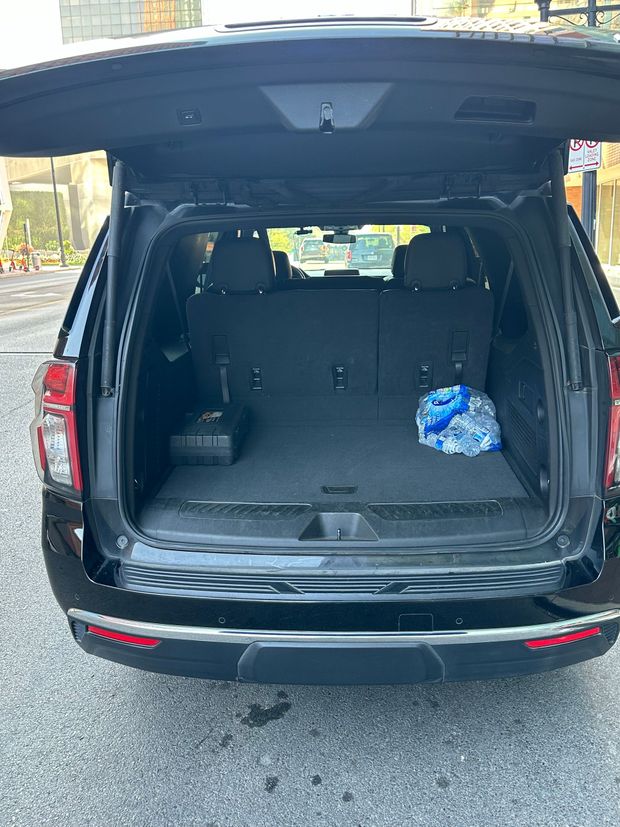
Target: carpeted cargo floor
370	462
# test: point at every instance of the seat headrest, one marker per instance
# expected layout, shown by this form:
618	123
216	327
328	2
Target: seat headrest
436	261
282	262
398	261
242	265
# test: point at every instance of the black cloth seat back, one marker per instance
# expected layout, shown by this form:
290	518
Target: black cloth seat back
437	331
293	353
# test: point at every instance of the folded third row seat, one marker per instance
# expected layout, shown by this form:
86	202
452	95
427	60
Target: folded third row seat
342	352
252	343
437	331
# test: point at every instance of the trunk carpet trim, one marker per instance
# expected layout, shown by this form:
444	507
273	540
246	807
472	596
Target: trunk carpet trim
243	511
406	512
393	512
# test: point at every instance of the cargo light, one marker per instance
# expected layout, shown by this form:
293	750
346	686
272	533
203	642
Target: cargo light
562	639
53	430
120	637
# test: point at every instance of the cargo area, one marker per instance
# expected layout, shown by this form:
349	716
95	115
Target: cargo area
309	388
327	463
315	481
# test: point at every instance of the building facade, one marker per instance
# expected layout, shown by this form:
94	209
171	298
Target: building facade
608	207
82	180
91	19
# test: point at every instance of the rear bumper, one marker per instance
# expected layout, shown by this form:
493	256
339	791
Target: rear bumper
347	657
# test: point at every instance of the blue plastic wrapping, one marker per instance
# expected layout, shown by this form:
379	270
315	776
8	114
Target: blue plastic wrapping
458	420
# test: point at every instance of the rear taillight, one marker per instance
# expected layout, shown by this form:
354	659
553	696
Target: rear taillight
349	255
53	430
121	637
612	460
561	640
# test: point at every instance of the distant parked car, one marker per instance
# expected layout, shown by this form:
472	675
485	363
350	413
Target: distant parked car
370	251
313	249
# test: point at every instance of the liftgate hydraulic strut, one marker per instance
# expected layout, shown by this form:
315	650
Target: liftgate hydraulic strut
562	223
108	350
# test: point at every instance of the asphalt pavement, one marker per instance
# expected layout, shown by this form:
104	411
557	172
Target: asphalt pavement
32	307
86	742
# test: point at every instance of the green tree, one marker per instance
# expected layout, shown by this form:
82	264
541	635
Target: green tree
401	233
39	208
282	238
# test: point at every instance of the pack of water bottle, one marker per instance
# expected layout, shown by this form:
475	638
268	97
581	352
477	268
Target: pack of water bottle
458	420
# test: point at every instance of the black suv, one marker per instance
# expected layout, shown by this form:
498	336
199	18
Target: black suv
233	486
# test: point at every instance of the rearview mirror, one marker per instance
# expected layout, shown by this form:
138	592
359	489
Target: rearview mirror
339	238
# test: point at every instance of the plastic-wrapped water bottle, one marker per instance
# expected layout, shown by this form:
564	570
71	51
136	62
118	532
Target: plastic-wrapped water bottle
453	441
437	408
458	420
480	403
481	427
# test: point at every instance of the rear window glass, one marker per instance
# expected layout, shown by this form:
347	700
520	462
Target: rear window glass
374	242
371	254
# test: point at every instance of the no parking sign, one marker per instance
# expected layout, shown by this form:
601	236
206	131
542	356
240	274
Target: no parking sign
585	156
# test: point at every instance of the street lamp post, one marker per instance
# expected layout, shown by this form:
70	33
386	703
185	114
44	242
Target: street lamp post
591	12
543	8
63	257
27	243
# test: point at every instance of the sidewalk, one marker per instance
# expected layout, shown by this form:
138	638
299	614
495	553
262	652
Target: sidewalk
45	269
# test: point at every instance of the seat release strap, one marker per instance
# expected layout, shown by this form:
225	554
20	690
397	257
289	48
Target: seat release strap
224	384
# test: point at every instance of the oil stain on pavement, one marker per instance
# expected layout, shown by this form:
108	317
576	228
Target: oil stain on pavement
259	716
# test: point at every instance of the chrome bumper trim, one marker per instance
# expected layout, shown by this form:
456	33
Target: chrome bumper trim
205	634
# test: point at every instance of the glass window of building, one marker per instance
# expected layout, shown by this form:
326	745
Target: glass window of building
84	20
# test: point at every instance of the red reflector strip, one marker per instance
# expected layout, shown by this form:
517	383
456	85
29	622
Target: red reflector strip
558	641
122	638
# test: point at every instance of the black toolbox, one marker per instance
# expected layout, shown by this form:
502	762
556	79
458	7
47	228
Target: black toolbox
210	436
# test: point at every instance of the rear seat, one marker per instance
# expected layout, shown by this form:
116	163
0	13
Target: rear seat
398	261
437	331
311	352
283	271
343	352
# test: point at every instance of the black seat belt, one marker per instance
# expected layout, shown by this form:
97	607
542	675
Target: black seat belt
221	357
177	307
458	353
502	304
224	384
